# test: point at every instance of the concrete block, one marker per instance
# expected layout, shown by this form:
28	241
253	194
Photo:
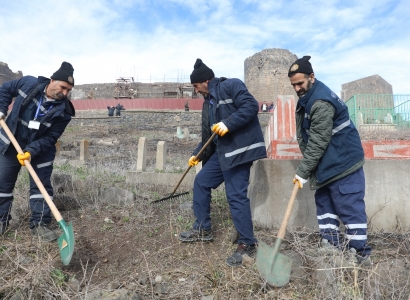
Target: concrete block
387	191
161	155
58	147
84	150
165	179
269	191
142	154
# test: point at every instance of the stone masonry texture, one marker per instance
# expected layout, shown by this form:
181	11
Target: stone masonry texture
368	85
7	75
266	74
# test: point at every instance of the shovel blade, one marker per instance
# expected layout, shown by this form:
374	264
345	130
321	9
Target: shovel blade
273	266
66	242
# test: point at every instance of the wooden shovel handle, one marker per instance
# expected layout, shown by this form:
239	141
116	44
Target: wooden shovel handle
282	229
196	157
33	174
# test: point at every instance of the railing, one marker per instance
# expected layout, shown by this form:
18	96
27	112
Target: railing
380	111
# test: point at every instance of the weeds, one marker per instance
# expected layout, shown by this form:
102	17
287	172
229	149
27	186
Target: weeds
146	244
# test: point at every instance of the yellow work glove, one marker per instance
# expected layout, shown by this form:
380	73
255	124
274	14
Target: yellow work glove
220	128
23	156
192	161
300	181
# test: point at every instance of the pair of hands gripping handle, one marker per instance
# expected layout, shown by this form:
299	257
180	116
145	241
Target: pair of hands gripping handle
218	128
196	157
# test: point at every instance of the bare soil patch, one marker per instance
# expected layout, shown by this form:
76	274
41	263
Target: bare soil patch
135	247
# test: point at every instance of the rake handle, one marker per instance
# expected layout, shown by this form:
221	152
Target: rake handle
196	157
282	229
33	174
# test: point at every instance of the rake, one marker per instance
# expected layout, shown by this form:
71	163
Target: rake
173	195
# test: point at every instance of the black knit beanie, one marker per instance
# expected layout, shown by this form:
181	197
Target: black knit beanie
201	72
65	73
302	65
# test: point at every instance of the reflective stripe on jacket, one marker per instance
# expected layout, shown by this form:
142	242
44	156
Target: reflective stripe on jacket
238	110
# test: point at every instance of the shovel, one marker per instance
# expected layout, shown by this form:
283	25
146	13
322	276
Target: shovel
172	196
273	266
66	240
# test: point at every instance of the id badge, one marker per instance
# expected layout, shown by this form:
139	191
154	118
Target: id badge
34	124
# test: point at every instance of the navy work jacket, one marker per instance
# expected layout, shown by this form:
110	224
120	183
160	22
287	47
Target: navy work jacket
238	110
52	125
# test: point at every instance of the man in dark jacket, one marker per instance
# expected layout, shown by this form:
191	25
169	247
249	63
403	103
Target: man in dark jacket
232	112
119	108
38	118
111	110
333	158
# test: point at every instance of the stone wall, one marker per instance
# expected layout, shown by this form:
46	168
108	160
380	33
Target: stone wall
168	120
133	90
266	74
6	74
368	85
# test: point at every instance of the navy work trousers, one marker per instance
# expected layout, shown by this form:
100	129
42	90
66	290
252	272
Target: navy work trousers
343	200
9	170
236	184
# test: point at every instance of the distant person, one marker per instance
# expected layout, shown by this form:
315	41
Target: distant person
264	107
119	108
232	112
271	107
186	105
40	114
111	110
333	159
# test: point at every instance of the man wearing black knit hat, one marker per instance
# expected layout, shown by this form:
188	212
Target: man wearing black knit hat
40	114
333	159
232	112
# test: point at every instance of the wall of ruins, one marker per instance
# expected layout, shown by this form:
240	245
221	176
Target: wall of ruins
266	74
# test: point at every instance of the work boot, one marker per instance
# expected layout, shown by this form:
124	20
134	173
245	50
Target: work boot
359	259
325	249
45	233
196	235
235	259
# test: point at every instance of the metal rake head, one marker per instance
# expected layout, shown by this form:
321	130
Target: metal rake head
171	197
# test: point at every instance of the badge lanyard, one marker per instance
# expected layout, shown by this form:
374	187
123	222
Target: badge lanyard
38	109
34	124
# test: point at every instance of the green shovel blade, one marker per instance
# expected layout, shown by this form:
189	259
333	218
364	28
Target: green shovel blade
273	266
66	242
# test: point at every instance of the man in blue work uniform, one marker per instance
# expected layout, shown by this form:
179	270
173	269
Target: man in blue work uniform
232	112
333	159
40	114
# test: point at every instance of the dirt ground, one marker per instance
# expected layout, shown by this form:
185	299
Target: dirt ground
135	247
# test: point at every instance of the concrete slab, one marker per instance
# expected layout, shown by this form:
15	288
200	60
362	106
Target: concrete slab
387	193
167	179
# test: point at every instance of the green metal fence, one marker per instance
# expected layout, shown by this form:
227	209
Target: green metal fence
390	111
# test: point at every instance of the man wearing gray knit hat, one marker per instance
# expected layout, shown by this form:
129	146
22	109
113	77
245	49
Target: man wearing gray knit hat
232	112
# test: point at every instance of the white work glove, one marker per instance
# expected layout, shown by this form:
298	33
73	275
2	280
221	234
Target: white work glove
220	128
300	181
2	115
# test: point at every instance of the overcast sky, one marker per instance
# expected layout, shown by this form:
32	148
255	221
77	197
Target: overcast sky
150	39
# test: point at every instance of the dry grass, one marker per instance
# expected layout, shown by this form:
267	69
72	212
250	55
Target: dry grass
141	244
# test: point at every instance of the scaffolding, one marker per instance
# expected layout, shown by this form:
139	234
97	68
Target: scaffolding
124	88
